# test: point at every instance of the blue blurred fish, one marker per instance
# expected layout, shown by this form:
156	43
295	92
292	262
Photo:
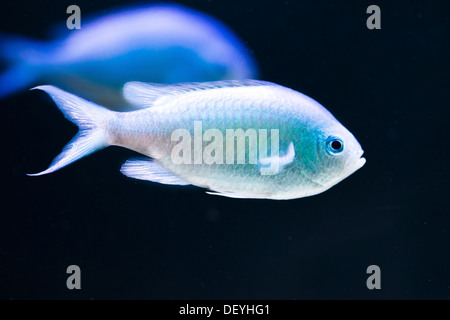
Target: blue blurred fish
157	43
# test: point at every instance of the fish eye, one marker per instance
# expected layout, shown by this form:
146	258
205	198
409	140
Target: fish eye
335	145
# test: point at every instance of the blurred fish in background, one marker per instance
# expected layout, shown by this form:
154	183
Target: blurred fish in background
163	43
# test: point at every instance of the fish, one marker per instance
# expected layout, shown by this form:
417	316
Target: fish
162	43
188	135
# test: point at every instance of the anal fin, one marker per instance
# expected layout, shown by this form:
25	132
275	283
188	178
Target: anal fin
150	170
238	195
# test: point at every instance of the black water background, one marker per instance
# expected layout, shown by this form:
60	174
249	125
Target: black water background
140	240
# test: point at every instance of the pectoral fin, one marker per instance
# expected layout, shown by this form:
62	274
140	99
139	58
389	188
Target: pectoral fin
150	170
274	165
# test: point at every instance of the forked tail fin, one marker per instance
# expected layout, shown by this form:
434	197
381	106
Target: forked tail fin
91	120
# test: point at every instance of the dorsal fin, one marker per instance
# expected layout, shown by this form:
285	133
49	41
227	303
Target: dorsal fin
145	95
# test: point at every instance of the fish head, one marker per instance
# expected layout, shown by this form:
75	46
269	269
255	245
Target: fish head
226	62
226	57
328	153
338	155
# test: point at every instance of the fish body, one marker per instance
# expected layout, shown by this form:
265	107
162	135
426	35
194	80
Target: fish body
157	43
301	149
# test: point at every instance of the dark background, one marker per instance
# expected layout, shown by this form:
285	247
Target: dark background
140	240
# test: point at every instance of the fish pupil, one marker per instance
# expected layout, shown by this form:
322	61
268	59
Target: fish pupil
336	145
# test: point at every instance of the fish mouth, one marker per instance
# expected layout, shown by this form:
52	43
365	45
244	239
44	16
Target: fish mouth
361	161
